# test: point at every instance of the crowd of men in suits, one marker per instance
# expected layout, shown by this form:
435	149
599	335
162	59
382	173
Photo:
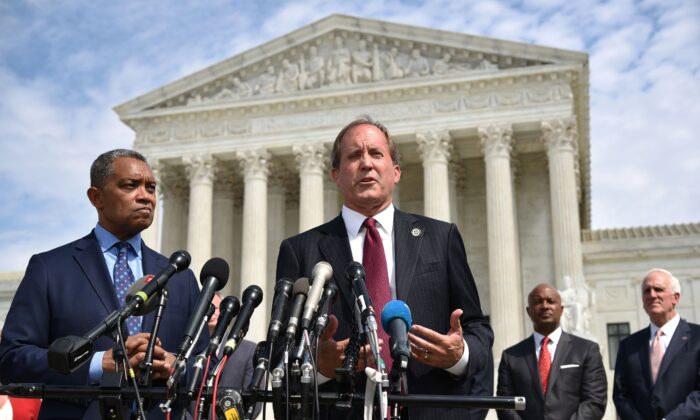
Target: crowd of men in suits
409	257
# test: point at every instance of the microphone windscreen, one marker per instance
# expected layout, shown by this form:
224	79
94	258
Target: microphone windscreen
136	287
301	286
180	259
396	309
217	268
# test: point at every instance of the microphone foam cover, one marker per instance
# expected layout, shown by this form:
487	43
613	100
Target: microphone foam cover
136	287
253	293
301	286
217	268
396	309
181	259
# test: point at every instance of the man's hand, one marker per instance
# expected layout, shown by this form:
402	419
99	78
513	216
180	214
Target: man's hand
331	353
136	346
435	349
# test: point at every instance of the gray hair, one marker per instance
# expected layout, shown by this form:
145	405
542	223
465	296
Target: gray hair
362	120
102	168
675	284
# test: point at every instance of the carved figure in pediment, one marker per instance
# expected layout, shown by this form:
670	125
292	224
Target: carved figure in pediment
417	65
443	66
339	64
487	65
315	70
241	89
194	99
393	70
288	78
377	73
361	63
267	81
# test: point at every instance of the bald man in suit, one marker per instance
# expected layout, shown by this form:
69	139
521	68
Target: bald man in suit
561	377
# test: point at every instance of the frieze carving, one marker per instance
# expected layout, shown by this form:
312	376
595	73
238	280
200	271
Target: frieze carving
343	59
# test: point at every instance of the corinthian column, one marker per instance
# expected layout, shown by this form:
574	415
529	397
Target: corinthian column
504	276
200	170
254	249
434	148
173	188
561	141
311	161
222	214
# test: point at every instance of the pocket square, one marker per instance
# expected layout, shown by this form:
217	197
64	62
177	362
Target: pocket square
568	366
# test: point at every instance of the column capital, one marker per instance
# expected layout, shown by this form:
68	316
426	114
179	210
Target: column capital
171	181
200	168
254	163
311	157
496	140
434	145
560	135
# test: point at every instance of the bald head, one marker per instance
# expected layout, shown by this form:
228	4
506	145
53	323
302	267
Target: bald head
544	308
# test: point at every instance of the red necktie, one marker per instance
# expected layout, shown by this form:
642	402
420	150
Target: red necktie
377	277
545	363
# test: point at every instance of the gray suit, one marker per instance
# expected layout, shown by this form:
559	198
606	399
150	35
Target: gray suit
577	386
238	371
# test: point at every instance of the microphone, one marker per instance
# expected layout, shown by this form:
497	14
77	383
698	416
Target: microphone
321	273
214	276
252	296
355	274
327	301
283	291
136	287
396	321
66	354
228	309
301	288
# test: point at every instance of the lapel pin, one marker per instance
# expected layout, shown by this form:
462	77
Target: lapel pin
415	231
684	338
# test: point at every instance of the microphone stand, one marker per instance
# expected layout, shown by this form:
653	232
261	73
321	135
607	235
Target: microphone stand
120	350
147	365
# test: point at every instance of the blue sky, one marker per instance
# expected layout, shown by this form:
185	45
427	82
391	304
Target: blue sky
64	65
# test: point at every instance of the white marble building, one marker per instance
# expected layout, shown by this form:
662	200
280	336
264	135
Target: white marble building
494	136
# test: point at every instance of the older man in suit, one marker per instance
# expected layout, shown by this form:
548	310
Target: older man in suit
68	290
560	375
419	260
657	373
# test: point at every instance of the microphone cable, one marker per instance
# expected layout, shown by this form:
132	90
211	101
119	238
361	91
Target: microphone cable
201	388
128	371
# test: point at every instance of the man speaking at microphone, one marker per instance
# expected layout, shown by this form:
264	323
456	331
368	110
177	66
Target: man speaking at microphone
68	290
413	258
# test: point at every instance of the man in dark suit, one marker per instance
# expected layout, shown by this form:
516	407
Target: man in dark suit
68	290
657	372
420	260
560	375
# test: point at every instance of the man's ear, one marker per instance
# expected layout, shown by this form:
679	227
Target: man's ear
95	196
334	175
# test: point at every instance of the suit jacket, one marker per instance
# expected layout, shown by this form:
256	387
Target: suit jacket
238	371
68	291
676	394
577	388
432	277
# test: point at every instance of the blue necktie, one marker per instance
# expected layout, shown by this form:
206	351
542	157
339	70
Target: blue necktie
123	279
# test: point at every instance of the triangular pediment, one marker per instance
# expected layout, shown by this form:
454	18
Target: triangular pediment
342	52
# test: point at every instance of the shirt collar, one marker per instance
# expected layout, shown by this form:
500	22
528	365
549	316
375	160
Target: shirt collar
353	220
107	240
553	337
668	328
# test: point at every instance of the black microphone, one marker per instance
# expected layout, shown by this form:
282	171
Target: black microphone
301	288
66	354
396	321
214	276
252	296
321	273
325	305
355	274
283	291
228	309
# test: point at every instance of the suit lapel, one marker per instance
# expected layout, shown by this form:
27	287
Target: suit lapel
531	362
563	348
644	360
678	343
335	248
88	255
153	262
408	236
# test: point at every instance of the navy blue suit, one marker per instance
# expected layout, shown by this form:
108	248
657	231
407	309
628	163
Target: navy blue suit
676	394
432	277
67	291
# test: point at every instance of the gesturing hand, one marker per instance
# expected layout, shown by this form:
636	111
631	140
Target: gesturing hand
434	349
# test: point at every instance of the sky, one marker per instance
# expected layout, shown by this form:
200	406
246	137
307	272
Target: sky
65	64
